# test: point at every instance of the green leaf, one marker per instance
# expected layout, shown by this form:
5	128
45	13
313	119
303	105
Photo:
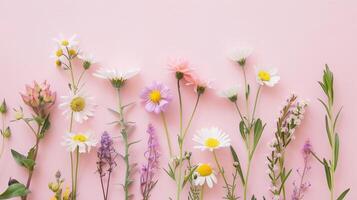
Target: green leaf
188	176
239	168
284	180
23	160
343	194
328	131
258	130
242	129
14	190
328	174
336	152
45	126
337	116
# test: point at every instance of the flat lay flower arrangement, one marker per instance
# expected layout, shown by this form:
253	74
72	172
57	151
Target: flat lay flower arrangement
190	176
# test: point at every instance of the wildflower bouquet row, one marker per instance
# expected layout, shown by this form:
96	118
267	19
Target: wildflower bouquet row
190	176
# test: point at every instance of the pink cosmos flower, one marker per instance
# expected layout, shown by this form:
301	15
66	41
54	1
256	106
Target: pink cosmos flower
156	97
181	68
199	84
39	97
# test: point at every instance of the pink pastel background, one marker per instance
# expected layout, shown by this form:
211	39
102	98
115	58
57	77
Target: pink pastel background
298	37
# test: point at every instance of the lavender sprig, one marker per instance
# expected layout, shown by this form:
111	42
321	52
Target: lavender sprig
299	190
148	170
290	118
106	161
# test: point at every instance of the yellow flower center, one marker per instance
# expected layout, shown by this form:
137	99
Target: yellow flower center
155	96
59	52
212	142
78	104
58	63
204	170
80	137
72	52
264	75
65	43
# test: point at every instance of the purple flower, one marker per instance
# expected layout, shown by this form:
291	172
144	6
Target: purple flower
156	97
303	185
147	172
106	161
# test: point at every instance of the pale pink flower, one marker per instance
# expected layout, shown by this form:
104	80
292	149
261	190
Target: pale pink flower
181	68
199	84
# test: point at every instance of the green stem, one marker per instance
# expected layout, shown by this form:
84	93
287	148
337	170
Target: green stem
201	192
332	136
76	175
180	102
255	104
220	169
166	133
124	134
191	117
247	179
246	92
282	174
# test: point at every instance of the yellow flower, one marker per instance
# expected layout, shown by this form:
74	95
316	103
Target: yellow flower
66	193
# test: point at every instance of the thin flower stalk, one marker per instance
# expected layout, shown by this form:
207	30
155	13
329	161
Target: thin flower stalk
289	119
5	130
331	118
301	188
148	170
106	163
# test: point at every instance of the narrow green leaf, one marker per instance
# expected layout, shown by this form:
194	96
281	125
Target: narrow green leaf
14	190
343	194
328	131
23	160
258	130
45	126
239	168
337	116
328	173
284	180
188	176
242	129
336	152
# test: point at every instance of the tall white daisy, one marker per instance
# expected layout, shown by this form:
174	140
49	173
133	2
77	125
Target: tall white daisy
204	173
84	141
267	76
116	77
230	93
80	104
240	55
211	139
88	60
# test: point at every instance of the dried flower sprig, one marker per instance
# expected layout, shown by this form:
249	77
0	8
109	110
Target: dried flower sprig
331	118
106	163
40	99
289	119
57	188
78	105
303	185
118	80
148	170
5	130
250	126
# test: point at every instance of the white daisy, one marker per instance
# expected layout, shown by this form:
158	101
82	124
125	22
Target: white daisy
84	142
230	93
88	60
240	55
211	139
81	105
204	173
116	77
267	77
64	42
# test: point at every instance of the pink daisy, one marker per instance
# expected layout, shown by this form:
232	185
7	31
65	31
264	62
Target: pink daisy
156	97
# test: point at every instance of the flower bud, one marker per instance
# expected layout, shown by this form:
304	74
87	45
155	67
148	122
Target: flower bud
12	181
3	107
235	164
86	64
19	114
6	133
179	75
54	187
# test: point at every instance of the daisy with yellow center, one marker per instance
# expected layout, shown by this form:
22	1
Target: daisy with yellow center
211	139
64	42
267	77
116	77
204	174
156	97
79	106
82	141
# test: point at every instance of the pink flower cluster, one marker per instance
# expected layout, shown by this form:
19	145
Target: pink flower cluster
39	97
